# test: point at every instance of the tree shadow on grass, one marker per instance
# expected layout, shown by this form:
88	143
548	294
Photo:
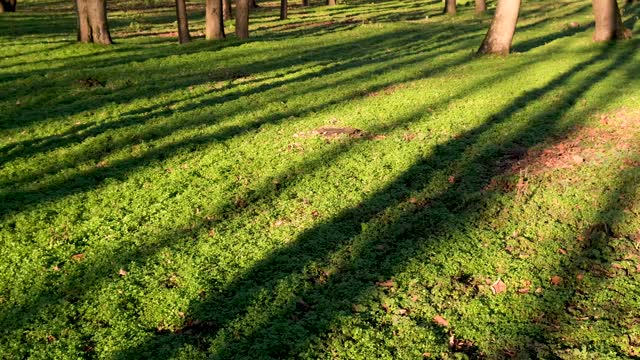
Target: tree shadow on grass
87	276
373	241
14	199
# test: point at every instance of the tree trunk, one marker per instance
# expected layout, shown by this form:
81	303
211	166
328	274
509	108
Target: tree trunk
305	2
242	18
608	21
283	9
183	22
92	21
253	4
481	6
7	6
227	14
214	24
450	7
503	27
331	2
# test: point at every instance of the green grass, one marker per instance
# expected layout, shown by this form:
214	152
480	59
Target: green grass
166	201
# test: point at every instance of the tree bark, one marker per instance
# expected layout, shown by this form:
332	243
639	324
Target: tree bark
253	4
183	22
481	6
227	13
450	7
214	24
92	22
305	2
283	9
331	2
609	24
7	6
503	27
242	18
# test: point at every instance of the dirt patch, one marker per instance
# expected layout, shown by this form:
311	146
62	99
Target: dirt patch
90	82
331	132
386	91
618	132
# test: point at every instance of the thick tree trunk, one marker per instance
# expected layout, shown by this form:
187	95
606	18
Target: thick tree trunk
214	24
450	7
331	2
7	6
92	21
609	24
481	6
305	2
242	18
503	27
283	9
183	22
227	14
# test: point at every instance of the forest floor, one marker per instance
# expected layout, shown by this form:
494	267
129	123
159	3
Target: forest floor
349	183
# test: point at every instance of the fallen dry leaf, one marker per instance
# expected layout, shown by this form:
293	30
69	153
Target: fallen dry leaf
556	280
498	287
580	276
388	283
523	291
440	321
562	251
78	257
212	232
123	272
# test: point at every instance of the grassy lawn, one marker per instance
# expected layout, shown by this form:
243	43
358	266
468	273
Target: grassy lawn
165	201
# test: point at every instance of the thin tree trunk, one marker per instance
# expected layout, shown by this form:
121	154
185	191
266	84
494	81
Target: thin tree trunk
450	7
283	9
7	6
92	21
227	14
503	27
253	4
331	2
214	24
609	24
305	2
242	18
481	6
183	22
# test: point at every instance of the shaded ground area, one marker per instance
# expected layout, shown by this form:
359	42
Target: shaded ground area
350	183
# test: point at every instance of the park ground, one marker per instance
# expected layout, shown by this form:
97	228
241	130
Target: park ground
351	183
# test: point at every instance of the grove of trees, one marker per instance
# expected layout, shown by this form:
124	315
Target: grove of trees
93	25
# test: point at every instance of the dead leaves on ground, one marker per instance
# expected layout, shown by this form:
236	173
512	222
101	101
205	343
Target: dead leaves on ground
439	320
498	287
618	130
